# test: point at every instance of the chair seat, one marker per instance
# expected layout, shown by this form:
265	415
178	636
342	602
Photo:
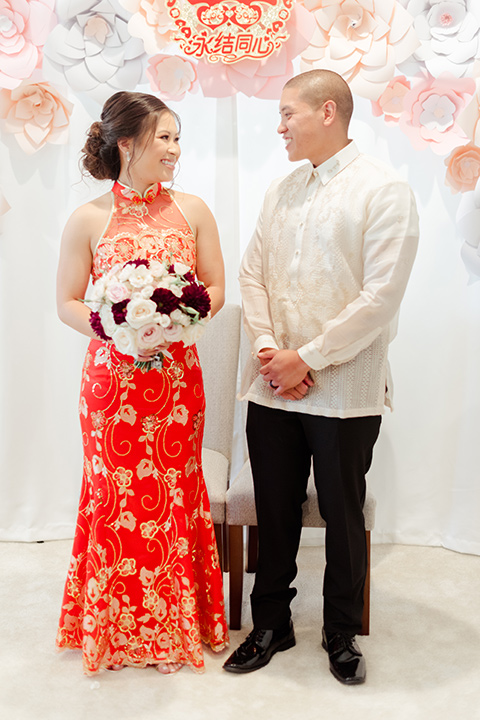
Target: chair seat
215	471
241	503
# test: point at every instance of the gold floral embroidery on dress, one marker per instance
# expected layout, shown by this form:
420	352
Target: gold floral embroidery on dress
144	585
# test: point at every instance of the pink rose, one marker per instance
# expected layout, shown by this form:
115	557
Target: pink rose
173	333
117	292
150	336
463	168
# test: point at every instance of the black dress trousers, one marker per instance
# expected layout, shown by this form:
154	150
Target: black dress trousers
282	446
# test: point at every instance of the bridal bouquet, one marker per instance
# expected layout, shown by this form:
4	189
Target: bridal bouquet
146	304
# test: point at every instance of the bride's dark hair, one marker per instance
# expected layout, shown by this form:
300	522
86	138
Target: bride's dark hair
124	115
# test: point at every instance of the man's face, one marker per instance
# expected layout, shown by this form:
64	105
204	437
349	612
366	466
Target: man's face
301	126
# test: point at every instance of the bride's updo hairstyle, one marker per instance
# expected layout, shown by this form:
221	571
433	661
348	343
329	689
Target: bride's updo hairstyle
131	115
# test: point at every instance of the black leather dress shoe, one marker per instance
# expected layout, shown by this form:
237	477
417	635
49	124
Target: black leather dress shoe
347	663
258	647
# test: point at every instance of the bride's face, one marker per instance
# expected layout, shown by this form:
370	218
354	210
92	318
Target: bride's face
155	157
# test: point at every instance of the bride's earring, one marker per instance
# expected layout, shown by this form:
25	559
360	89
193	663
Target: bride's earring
128	156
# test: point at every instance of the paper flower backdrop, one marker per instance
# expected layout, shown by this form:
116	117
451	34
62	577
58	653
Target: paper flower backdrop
172	76
468	224
92	51
24	27
362	40
259	78
36	114
430	112
463	168
449	33
150	22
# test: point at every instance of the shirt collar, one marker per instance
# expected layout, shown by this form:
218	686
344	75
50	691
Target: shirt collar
127	192
335	164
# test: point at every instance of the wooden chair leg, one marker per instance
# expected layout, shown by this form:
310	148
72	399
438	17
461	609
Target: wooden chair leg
226	559
252	548
366	592
235	546
220	545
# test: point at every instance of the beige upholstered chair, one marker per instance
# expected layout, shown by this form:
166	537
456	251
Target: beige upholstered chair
241	512
218	349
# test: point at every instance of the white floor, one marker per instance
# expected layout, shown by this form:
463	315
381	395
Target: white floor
423	654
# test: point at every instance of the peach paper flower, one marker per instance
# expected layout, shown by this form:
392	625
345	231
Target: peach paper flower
390	102
172	76
362	40
24	27
36	114
151	22
259	78
431	110
463	168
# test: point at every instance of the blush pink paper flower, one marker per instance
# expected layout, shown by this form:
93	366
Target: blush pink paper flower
259	78
151	22
463	168
24	27
390	102
431	110
36	114
362	40
172	76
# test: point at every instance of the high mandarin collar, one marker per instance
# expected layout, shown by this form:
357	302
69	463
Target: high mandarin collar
335	164
131	194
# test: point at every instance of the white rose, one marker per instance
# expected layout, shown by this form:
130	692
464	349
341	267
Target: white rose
157	269
126	272
98	290
140	312
116	292
147	291
125	341
140	276
181	268
164	320
179	318
173	333
108	322
193	333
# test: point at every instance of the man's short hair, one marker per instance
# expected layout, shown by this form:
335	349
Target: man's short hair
318	86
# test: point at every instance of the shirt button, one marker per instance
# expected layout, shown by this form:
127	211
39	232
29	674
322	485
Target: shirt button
309	199
301	224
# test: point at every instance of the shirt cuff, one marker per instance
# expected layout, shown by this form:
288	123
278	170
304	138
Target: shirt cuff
264	341
312	357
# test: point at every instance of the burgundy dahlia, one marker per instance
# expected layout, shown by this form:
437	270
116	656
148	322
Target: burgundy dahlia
138	262
196	297
97	327
165	300
119	311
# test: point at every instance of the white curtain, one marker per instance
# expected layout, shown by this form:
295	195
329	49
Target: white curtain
426	463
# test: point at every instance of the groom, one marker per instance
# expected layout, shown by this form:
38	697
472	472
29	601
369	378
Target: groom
322	280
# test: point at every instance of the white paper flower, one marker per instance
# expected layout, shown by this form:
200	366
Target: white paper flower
449	33
362	40
93	51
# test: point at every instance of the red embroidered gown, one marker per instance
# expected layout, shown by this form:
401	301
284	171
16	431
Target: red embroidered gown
144	584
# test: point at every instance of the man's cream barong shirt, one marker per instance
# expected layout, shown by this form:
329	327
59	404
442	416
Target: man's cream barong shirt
324	274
